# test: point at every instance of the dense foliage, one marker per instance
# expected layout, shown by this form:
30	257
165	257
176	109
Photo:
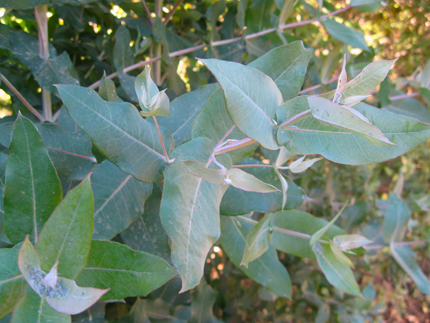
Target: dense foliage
155	163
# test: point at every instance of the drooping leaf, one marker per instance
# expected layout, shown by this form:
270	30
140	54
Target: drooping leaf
236	201
308	136
12	283
190	212
321	232
397	215
118	130
66	236
251	99
33	189
337	273
201	307
345	34
126	272
287	66
118	200
257	240
146	233
300	222
32	306
266	270
405	258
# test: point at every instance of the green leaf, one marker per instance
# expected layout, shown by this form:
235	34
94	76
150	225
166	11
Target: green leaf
159	32
147	233
300	165
119	132
345	34
33	189
190	212
66	236
340	255
251	99
107	90
308	136
31	306
301	222
257	240
321	232
202	305
337	273
126	272
184	110
266	270
323	314
118	200
397	215
236	201
22	4
214	176
70	152
5	30
284	184
287	66
410	107
350	241
12	283
404	256
346	118
248	182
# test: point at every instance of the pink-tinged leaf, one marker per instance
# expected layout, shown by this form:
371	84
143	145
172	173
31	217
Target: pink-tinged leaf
52	277
248	182
72	299
29	265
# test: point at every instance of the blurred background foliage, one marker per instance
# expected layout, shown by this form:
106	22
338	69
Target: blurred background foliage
398	28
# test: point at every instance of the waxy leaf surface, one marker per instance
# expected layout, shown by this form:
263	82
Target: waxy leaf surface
257	240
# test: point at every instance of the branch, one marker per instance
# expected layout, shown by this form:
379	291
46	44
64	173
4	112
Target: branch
170	14
21	98
404	96
234	145
148	12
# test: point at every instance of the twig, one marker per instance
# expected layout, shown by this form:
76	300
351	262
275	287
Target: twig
404	96
318	85
252	165
161	139
21	98
234	145
225	136
170	14
148	12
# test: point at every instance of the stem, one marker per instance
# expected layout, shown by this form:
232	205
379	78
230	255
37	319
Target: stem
21	98
42	23
252	165
156	66
170	14
161	139
404	96
217	162
148	12
225	136
233	146
318	85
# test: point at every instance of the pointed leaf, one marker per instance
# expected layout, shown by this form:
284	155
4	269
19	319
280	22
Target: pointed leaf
345	34
308	136
340	256
126	272
214	176
397	215
266	270
190	212
350	241
118	200
337	273
12	283
346	118
251	99
284	184
248	182
107	90
321	232
257	240
299	166
132	143
283	157
66	236
147	233
300	222
33	188
405	258
341	82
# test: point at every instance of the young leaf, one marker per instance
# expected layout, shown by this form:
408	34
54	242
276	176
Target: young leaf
251	99
345	34
257	240
320	233
350	241
118	130
299	166
266	270
340	255
248	182
284	185
66	236
283	157
346	118
107	90
33	188
12	283
397	215
341	82
404	256
190	212
125	271
300	222
118	200
337	273
214	176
